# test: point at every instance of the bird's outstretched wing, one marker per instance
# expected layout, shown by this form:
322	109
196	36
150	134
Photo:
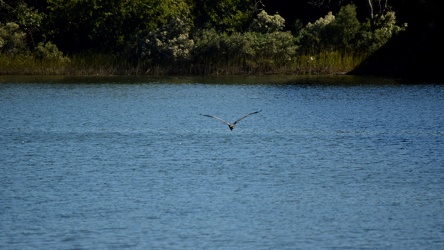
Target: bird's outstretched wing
245	116
215	117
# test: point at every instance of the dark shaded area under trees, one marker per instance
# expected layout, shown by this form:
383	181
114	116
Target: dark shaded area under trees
225	36
417	52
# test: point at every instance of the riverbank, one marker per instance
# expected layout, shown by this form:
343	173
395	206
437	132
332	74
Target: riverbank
107	64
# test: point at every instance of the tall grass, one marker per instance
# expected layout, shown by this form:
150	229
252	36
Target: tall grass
327	63
27	65
322	63
108	64
95	64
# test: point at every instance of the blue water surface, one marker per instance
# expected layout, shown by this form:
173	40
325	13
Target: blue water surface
129	163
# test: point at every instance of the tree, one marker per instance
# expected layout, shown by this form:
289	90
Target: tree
49	51
375	8
12	39
371	39
27	17
312	36
381	10
344	32
341	34
267	23
168	43
108	25
225	15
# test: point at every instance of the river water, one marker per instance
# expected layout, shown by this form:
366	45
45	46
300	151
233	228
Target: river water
129	163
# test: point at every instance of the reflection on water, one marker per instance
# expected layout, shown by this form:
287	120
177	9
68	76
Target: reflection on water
330	162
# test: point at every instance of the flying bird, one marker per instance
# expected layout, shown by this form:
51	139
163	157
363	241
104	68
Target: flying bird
231	125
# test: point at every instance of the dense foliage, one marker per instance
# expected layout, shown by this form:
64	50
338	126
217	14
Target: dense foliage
189	36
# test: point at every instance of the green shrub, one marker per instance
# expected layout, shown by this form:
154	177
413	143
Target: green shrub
249	51
312	36
342	34
12	39
49	51
265	23
269	50
170	42
216	50
385	28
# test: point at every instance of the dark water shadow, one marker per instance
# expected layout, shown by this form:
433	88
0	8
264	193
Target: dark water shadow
325	80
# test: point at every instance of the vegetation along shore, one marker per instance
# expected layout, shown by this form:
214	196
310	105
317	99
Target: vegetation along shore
189	37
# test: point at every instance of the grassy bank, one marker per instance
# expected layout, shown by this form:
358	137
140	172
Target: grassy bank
106	64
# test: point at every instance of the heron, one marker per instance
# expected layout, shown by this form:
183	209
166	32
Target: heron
231	125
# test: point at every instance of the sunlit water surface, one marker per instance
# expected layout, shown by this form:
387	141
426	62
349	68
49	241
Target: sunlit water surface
116	163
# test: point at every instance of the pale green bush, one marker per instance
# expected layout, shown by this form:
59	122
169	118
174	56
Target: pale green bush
12	39
311	36
265	23
269	49
168	43
253	50
344	32
49	51
385	28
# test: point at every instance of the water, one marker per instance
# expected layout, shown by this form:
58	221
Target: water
115	163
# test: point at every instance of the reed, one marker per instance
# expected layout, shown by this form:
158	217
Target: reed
26	64
109	64
94	64
327	62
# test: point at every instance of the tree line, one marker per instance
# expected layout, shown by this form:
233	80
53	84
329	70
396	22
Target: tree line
188	36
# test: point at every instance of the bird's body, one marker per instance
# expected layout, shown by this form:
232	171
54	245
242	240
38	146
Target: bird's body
231	125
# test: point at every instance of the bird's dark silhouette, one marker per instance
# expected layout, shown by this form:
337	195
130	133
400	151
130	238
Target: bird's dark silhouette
231	125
